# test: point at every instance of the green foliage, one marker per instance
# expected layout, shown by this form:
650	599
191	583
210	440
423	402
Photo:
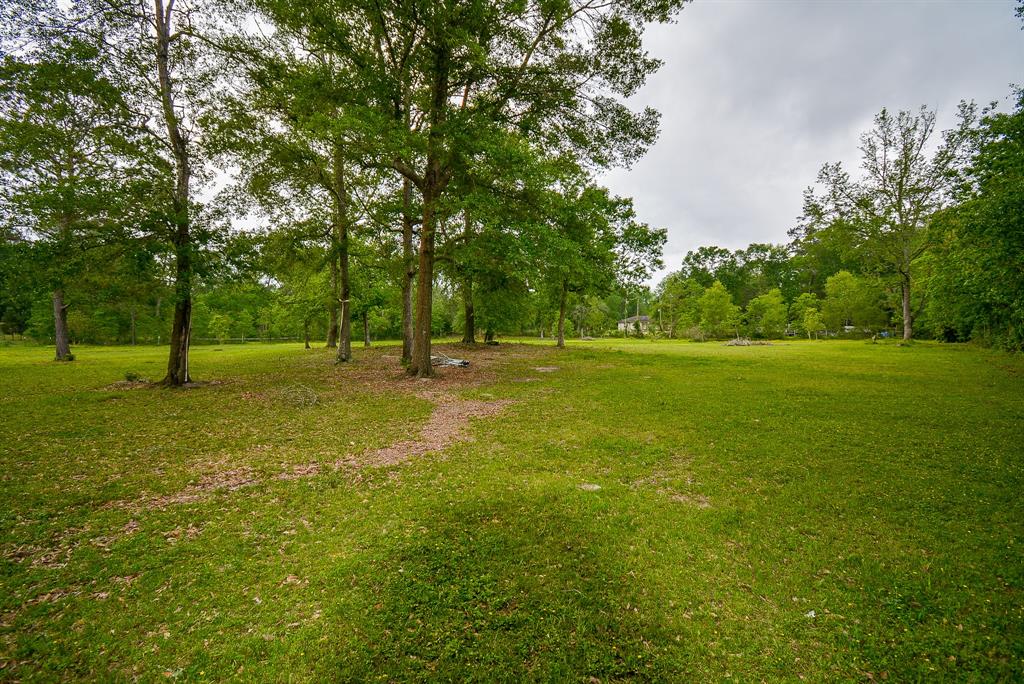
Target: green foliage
976	287
677	305
767	314
745	273
219	325
811	322
592	316
800	306
851	301
883	216
719	317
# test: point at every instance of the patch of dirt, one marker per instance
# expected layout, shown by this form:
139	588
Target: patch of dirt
53	596
197	384
659	482
380	368
698	500
300	471
214	481
127	385
378	371
226	480
546	369
449	423
53	555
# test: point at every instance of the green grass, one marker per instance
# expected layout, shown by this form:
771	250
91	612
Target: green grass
743	490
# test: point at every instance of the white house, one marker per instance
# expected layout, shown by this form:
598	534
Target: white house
628	325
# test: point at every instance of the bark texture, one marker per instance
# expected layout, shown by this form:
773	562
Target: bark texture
341	229
409	271
434	181
420	364
60	326
332	309
181	326
561	314
469	331
908	315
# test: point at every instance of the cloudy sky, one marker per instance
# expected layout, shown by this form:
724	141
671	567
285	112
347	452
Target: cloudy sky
755	95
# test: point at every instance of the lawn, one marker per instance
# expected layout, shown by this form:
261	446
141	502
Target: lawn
621	510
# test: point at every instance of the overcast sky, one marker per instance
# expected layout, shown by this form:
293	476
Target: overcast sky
755	95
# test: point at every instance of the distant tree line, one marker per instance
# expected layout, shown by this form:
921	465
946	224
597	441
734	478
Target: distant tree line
927	239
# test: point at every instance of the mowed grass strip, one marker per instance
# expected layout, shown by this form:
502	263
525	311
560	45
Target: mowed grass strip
647	511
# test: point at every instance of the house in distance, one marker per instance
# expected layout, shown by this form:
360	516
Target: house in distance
634	323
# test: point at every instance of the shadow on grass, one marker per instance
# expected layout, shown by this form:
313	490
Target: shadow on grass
486	592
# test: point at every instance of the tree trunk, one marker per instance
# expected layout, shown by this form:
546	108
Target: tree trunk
305	331
469	333
133	324
159	300
489	336
561	314
469	330
434	180
409	273
181	327
366	329
341	225
345	325
60	326
332	324
420	365
908	316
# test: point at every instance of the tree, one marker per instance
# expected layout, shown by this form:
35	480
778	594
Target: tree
295	131
162	68
219	325
977	285
65	160
594	243
707	264
812	322
676	304
807	301
470	75
903	184
766	314
718	315
591	316
851	301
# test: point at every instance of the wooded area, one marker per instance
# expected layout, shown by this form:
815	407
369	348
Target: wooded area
375	145
176	173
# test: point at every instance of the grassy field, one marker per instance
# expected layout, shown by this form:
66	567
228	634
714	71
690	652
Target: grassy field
615	511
